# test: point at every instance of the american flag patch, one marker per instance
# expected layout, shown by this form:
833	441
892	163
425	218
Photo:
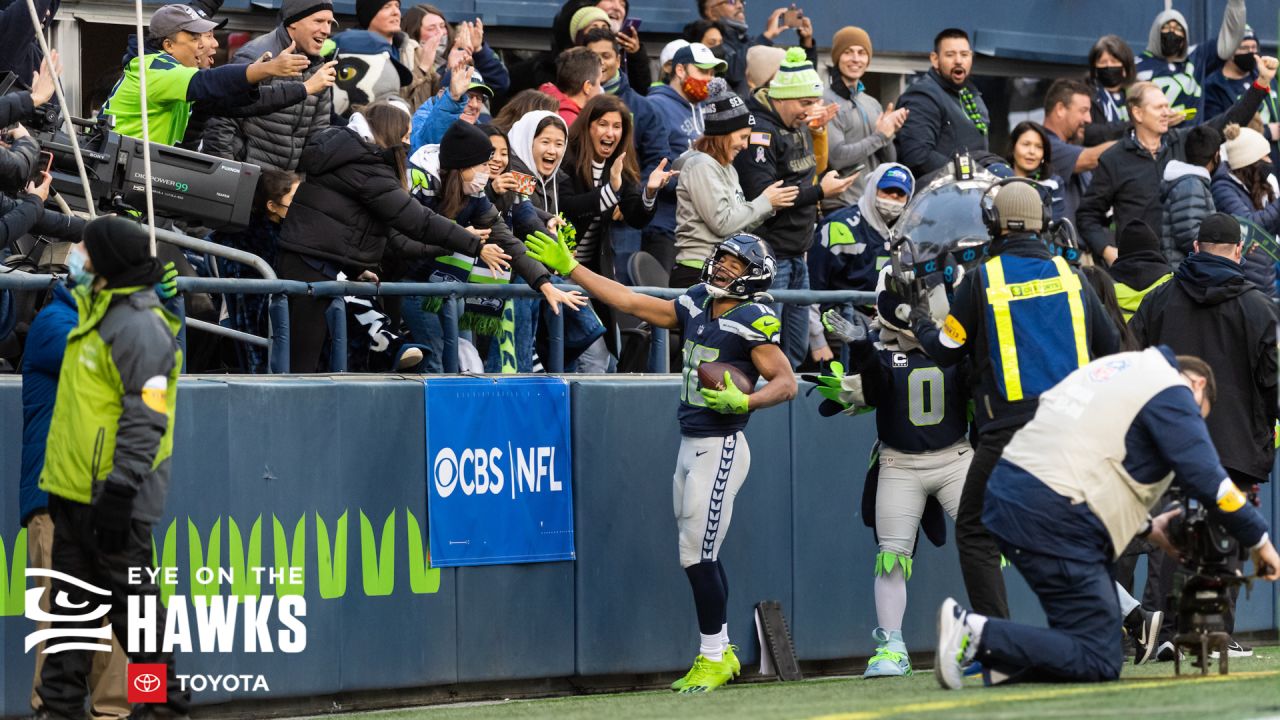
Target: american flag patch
760	138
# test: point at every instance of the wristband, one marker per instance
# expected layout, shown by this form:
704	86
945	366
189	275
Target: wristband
1260	86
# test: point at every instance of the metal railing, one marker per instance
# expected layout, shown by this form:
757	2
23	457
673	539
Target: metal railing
279	290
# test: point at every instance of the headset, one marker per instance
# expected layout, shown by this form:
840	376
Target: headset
991	215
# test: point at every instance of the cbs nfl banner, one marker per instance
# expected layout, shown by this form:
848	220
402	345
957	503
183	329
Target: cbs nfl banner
499	471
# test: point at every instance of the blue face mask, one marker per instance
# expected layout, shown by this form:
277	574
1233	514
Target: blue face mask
76	270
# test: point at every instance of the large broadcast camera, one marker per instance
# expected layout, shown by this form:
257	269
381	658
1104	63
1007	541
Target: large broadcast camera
211	191
1202	586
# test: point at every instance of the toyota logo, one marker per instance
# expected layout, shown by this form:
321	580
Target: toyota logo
146	683
446	472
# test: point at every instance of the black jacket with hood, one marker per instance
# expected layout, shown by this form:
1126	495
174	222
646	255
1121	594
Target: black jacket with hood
1212	311
350	202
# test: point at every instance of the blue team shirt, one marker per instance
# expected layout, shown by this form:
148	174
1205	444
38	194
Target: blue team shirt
919	406
729	338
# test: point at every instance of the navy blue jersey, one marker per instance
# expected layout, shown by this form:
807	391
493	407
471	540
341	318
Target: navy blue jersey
919	405
729	338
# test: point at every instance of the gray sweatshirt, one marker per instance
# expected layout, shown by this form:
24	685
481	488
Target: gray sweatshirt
710	207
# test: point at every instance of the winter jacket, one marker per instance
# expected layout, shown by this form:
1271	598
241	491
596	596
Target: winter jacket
852	244
19	52
583	203
350	202
480	212
1127	179
1136	275
15	107
117	392
937	127
1182	78
16	164
1212	311
433	118
41	362
1186	200
1231	197
26	214
852	138
777	152
277	139
682	123
710	206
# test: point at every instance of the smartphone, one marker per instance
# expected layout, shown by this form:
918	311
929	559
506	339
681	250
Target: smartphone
44	163
792	17
853	170
525	184
631	25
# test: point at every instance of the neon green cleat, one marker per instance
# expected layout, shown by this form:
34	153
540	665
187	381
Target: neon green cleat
732	658
678	685
707	675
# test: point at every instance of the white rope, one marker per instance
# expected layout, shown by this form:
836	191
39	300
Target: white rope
66	112
146	125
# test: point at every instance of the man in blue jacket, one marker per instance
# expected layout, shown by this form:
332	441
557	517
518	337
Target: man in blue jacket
1072	488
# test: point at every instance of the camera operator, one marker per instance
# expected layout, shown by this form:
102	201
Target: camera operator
18	159
1072	488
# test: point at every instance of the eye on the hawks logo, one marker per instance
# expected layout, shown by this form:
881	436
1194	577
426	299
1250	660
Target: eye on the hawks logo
148	683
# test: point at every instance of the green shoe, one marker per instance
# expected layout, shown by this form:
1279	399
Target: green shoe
732	658
707	675
678	685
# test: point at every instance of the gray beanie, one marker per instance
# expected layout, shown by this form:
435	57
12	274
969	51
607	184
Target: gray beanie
724	112
1020	206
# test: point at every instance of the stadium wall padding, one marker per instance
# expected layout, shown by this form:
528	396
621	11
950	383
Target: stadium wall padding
348	452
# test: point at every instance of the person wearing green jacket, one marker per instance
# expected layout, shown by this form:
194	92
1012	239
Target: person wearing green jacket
1139	268
107	459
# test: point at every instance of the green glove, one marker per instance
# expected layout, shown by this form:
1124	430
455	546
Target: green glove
730	401
553	253
168	285
830	386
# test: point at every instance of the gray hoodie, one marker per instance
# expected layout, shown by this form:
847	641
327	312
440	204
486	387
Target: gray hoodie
1233	22
710	206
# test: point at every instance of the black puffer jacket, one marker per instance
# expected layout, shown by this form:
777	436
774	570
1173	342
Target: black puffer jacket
276	139
1212	311
345	210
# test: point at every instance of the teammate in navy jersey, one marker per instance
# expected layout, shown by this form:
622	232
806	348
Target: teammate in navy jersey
922	418
720	321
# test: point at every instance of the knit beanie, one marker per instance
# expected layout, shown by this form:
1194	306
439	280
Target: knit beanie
1136	236
763	62
366	9
584	17
464	145
796	78
121	252
1244	146
1020	207
724	112
847	37
291	11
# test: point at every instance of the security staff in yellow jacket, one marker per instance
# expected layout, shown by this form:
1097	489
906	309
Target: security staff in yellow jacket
1027	319
107	460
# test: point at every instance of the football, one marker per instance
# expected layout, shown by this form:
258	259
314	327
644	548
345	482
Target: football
711	375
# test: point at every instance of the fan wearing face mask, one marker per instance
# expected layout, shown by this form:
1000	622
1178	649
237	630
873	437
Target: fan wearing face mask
1224	87
850	246
1179	68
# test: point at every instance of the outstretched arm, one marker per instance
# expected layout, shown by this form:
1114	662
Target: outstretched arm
555	254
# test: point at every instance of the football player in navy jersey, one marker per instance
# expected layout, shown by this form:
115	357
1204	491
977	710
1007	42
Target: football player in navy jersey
922	418
720	321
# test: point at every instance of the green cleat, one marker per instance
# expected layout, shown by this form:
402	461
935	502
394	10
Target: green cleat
732	658
678	685
707	675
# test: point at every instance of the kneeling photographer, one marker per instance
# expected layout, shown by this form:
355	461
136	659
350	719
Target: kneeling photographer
1070	491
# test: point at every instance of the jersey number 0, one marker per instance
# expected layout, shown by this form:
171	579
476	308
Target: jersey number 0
925	403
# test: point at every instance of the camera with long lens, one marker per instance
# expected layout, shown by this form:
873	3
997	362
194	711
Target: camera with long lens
204	189
1210	558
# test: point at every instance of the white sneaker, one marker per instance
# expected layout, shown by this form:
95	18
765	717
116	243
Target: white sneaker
957	645
1234	650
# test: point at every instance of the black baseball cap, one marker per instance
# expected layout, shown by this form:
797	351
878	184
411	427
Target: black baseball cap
1219	229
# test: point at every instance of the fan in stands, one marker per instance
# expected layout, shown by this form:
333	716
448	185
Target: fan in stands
712	375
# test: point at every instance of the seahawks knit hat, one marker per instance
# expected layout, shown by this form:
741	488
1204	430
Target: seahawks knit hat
796	78
724	112
1020	206
464	145
291	11
584	17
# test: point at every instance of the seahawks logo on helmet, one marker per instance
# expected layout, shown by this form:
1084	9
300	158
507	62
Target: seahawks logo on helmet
756	277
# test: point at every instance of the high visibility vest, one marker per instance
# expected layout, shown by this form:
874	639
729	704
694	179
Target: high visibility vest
1035	319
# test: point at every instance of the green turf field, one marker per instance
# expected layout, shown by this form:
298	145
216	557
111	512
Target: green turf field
1251	691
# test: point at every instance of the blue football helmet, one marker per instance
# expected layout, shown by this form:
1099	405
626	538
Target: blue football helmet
754	281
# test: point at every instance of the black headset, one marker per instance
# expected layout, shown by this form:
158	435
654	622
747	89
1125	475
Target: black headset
991	215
